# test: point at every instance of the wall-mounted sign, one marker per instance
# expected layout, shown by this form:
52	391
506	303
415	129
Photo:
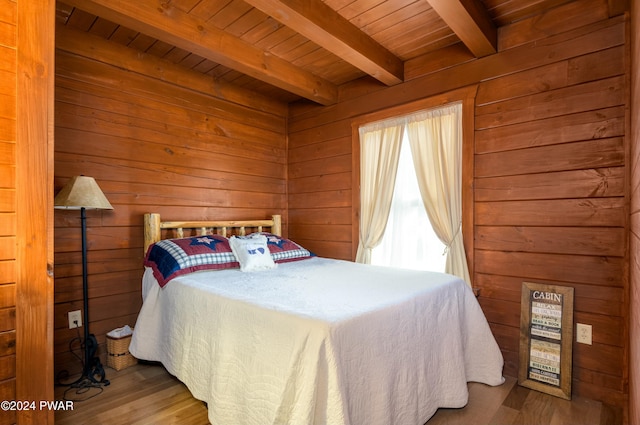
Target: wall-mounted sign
546	336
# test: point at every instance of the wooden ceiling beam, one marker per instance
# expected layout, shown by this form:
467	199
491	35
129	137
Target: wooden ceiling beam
470	21
330	30
161	20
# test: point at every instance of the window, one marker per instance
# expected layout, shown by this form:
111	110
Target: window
435	138
409	240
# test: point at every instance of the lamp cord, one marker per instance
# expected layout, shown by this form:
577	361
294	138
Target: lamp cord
85	383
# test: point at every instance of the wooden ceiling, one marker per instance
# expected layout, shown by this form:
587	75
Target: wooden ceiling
293	49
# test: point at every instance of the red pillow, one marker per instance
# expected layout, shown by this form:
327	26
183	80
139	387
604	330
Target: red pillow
170	258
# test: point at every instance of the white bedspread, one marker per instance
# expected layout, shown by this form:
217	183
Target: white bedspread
319	341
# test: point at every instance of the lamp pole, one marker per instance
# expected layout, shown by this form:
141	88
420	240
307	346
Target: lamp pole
85	296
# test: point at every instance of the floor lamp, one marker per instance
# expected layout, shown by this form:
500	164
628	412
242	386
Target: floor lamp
83	193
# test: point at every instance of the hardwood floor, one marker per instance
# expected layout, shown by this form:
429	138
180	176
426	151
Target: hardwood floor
511	404
147	394
140	394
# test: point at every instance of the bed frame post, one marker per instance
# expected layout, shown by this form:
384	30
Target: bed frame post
151	230
277	225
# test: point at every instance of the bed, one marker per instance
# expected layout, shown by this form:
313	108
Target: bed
311	340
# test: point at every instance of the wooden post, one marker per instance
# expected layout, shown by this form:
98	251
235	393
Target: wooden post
277	225
34	85
151	230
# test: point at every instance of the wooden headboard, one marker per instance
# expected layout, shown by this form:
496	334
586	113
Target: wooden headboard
153	227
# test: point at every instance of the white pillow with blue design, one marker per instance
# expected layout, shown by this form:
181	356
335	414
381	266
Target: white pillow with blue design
252	252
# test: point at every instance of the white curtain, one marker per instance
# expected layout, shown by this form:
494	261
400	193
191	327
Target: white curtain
402	245
435	137
379	152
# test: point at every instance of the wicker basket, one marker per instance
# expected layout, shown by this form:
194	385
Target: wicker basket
118	355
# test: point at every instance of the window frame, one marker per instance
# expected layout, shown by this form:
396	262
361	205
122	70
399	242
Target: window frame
465	95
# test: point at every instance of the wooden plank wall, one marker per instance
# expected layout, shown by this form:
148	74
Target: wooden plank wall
153	146
550	175
8	59
634	234
550	203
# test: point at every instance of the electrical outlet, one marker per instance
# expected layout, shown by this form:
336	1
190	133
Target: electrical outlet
583	334
75	319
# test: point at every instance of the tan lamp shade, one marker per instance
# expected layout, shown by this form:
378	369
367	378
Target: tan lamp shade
81	192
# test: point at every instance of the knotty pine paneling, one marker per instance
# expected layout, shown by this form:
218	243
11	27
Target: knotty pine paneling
319	186
571	252
152	146
597	123
601	182
550	199
8	206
